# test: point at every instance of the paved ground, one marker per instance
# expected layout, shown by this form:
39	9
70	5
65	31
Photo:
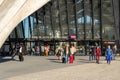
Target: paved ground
49	68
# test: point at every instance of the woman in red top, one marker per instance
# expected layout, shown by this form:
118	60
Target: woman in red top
97	53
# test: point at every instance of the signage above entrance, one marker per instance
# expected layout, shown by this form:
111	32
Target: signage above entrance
72	36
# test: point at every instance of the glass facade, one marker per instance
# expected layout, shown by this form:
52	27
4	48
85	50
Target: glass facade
61	18
90	21
80	19
108	20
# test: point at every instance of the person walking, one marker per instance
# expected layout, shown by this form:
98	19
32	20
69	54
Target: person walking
108	54
97	53
37	50
47	49
21	51
72	51
15	51
33	51
114	52
60	53
91	53
67	52
42	50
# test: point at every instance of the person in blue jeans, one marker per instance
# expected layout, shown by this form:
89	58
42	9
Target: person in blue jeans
91	53
67	52
66	58
108	54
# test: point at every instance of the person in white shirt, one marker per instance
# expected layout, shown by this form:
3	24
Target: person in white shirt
72	51
21	58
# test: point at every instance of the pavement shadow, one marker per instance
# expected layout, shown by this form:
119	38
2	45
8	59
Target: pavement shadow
4	59
85	61
93	61
54	60
14	60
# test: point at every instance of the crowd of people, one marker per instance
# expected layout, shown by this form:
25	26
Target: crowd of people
67	54
19	49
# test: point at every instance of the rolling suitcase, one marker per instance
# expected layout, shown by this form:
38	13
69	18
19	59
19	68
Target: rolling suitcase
71	59
63	60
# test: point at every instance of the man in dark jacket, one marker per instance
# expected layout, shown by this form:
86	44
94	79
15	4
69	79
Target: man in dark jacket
91	53
21	51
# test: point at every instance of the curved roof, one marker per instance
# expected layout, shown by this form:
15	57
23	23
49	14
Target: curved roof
13	12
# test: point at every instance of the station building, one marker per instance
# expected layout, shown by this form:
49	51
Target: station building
59	22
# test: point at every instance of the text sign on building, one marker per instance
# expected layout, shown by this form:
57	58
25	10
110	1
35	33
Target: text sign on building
72	36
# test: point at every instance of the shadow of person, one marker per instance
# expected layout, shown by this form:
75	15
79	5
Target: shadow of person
54	60
6	59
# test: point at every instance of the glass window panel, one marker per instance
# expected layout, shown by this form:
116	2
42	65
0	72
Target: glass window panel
55	16
88	17
32	25
80	19
26	28
96	15
108	21
48	27
19	31
63	19
71	13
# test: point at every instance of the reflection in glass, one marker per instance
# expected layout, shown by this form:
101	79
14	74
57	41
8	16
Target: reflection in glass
108	21
80	19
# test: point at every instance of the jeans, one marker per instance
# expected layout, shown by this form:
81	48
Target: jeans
91	57
66	58
108	58
113	57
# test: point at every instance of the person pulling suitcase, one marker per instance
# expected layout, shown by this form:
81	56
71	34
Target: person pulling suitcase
21	58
